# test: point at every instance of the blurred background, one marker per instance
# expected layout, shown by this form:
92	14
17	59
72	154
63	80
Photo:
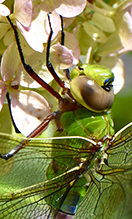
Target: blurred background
122	107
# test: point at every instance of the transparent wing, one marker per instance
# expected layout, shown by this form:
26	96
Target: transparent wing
109	194
34	181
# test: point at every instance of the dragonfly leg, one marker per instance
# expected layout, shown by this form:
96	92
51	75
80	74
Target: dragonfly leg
67	71
29	69
48	63
9	105
62	32
33	134
14	150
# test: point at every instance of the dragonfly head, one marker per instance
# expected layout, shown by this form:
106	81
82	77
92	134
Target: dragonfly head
93	89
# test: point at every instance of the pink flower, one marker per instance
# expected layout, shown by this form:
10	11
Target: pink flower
28	108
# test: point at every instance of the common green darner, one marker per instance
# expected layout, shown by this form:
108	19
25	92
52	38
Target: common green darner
53	174
86	169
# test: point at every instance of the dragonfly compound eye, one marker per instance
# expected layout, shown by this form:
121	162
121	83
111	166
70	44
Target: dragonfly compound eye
91	95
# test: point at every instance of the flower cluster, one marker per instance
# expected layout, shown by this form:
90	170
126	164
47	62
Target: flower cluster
94	30
104	33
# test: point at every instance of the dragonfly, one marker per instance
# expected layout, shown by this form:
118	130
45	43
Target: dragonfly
84	171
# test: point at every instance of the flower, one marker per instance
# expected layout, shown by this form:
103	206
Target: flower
37	33
22	14
28	108
104	33
31	19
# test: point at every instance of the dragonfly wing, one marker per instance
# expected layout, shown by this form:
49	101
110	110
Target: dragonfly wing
34	181
120	159
109	194
105	198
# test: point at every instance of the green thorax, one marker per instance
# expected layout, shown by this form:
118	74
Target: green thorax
69	153
85	123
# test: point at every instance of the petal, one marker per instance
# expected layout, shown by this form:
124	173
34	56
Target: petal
28	110
3	29
103	22
62	56
4	11
69	8
23	12
68	21
10	62
55	23
95	33
8	38
72	44
121	40
99	17
65	56
125	31
85	41
37	62
119	73
119	5
39	31
35	35
3	91
112	45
